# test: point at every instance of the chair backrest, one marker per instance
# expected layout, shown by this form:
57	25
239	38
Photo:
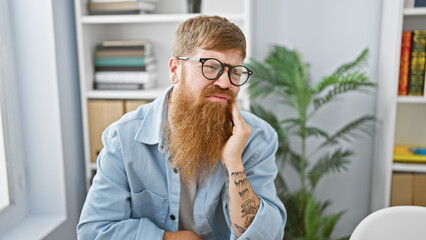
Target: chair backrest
393	223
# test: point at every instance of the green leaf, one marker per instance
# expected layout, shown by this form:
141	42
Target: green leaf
263	82
329	163
351	82
312	131
359	61
329	222
352	130
312	219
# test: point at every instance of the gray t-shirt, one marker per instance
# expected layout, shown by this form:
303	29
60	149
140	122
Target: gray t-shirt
186	207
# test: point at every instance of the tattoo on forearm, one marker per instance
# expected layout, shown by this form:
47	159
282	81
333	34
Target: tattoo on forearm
239	228
249	207
238	174
243	193
248	221
241	182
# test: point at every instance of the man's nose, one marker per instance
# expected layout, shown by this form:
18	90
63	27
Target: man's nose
223	81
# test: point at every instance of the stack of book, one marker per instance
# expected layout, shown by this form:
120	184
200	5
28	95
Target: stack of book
105	7
124	65
412	63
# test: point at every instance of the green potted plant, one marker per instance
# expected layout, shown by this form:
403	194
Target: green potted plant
283	74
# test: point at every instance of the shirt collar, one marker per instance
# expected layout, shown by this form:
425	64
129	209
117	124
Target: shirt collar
151	130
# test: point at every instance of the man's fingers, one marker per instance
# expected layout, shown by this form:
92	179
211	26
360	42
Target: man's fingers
236	116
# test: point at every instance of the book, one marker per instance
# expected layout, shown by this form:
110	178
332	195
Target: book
404	65
113	6
125	77
420	3
123	62
125	45
119	53
123	86
403	154
417	65
114	68
118	86
115	43
120	6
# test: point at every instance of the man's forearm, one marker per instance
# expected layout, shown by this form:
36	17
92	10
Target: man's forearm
243	203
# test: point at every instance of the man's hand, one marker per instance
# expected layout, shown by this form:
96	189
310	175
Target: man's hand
234	147
181	235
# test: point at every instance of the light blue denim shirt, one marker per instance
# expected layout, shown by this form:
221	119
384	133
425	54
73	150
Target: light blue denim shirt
135	193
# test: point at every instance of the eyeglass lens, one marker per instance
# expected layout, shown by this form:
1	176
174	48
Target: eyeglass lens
212	69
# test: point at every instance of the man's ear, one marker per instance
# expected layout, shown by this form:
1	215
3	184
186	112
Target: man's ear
174	70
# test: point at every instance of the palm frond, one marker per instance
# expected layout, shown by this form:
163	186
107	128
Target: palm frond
316	132
329	163
329	222
359	61
282	132
264	80
351	82
293	207
362	125
281	185
295	161
323	205
312	219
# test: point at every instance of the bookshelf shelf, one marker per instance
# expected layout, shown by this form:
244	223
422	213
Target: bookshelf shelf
409	167
149	18
420	99
419	11
131	94
158	28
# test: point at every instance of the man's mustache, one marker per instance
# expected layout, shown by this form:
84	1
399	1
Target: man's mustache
214	89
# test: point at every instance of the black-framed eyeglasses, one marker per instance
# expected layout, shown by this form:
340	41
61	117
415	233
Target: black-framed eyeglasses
212	69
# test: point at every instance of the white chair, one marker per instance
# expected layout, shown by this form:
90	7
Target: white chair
393	223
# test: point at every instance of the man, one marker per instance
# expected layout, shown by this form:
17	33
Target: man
189	165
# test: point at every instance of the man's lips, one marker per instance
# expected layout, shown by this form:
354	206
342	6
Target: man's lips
219	98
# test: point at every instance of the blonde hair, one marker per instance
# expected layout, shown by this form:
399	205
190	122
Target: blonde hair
209	32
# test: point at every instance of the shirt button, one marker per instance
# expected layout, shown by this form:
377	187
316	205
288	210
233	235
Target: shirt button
172	217
175	170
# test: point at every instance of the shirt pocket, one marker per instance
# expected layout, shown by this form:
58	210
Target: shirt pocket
147	204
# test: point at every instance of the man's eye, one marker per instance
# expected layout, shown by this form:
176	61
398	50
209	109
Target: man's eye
211	67
237	73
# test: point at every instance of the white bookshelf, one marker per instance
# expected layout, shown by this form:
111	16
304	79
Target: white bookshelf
159	27
400	120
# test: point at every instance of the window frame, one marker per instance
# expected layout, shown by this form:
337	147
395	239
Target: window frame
16	211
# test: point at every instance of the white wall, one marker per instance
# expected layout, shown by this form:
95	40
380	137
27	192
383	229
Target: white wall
328	33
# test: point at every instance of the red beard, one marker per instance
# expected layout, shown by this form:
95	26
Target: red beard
200	130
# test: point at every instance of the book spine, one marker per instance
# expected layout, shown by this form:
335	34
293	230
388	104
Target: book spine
114	6
125	77
420	3
404	66
120	62
417	68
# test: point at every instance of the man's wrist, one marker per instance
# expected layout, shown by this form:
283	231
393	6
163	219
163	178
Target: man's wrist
234	166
